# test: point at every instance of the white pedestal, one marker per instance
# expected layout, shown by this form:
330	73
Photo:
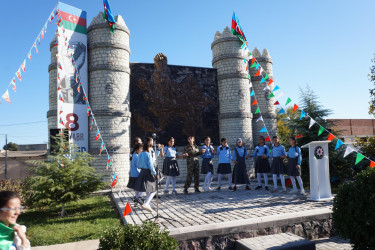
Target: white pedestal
320	186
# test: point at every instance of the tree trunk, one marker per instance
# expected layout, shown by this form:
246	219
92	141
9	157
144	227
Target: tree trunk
63	210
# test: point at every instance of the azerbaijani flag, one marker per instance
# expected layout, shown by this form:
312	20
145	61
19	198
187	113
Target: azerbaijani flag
237	29
114	180
72	18
108	15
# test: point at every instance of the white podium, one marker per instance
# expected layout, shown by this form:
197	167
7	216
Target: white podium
320	186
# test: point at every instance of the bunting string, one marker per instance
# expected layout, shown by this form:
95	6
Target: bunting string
249	59
22	67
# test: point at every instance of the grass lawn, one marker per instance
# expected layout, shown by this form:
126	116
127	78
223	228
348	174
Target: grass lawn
86	219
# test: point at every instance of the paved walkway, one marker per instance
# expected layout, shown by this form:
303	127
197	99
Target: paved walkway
332	243
86	245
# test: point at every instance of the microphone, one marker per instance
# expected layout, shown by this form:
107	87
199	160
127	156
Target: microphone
153	136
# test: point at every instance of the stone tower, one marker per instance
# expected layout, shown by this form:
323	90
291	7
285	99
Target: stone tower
235	118
266	106
52	96
109	81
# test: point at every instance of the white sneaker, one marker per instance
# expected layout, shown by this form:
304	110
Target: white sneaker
148	208
302	192
283	190
294	191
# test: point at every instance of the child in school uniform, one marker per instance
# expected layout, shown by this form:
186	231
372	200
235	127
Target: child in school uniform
278	155
207	165
239	171
262	165
134	171
293	168
170	165
224	167
147	177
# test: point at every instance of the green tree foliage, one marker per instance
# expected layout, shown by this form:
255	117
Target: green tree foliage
372	91
138	237
353	210
290	124
64	177
11	146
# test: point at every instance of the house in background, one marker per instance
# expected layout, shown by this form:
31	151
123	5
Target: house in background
352	128
18	168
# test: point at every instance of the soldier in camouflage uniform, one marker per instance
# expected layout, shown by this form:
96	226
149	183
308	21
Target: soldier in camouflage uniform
192	152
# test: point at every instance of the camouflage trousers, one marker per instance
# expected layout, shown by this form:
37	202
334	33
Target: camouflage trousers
192	170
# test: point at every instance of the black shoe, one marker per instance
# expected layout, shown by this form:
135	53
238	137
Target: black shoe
230	188
218	188
266	188
258	187
186	191
139	201
197	190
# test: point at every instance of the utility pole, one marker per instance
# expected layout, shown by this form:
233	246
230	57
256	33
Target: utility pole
6	157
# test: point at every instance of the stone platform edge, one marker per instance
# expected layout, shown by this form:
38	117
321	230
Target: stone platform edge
238	226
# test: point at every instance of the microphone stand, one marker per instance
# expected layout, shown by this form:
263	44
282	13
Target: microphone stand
157	217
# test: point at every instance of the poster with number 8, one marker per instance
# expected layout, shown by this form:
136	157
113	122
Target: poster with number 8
72	50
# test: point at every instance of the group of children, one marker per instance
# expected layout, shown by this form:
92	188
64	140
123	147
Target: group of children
143	173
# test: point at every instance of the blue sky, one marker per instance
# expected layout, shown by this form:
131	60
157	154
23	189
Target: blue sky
326	44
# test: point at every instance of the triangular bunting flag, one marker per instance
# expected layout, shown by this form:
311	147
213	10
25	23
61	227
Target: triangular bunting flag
6	96
36	49
13	82
254	102
348	151
253	65
62	122
257	66
339	143
257	73
257	111
18	74
276	103
97	135
321	130
299	136
266	77
262	81
252	93
29	56
271	95
266	88
359	158
282	111
302	114
253	60
23	65
312	122
270	82
92	123
102	147
372	164
127	209
260	119
109	162
288	101
330	137
114	181
280	95
263	130
275	88
295	108
268	138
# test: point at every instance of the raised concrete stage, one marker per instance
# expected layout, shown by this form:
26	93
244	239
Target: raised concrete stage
237	215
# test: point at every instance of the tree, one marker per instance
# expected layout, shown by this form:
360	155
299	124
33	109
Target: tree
353	210
11	146
372	91
290	124
66	176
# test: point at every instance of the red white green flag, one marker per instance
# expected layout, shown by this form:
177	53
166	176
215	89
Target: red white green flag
18	74
13	82
23	65
237	29
6	96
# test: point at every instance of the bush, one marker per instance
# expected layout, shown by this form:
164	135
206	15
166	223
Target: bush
138	237
353	210
21	188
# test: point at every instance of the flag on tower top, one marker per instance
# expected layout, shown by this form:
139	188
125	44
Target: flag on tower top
108	15
237	29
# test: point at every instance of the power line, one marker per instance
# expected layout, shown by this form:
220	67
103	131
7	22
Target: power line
26	123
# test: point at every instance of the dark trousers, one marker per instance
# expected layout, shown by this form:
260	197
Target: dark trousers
192	170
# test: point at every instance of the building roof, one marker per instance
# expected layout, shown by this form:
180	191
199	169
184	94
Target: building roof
23	154
355	127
